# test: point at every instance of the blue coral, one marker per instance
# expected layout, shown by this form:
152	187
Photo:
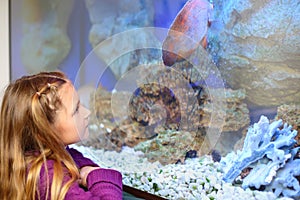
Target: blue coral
285	182
270	152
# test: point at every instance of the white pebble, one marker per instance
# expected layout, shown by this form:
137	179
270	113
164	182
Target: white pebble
198	178
163	192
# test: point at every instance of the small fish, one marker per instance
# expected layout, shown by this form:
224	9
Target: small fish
187	31
216	156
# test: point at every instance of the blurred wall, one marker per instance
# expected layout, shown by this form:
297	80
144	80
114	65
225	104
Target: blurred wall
4	47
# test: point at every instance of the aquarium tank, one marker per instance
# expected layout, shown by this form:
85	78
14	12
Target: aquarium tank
190	99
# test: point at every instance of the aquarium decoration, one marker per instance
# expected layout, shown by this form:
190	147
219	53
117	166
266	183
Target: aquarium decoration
286	182
268	154
290	113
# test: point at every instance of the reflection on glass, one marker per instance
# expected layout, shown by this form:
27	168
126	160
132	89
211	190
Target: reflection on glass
171	107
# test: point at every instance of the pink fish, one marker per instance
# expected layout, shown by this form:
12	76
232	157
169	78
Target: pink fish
187	31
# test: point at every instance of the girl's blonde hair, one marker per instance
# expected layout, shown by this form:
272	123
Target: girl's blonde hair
28	138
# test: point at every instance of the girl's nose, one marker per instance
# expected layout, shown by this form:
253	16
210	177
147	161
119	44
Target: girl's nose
87	112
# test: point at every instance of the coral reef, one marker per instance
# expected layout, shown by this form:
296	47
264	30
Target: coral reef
170	99
268	151
291	115
286	181
169	146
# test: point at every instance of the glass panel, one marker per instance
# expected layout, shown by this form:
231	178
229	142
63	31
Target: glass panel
171	109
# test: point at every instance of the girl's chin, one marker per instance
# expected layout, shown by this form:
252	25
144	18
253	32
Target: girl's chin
85	135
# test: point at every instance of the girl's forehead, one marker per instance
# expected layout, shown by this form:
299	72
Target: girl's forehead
68	91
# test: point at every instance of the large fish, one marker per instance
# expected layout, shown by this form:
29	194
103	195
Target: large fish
187	31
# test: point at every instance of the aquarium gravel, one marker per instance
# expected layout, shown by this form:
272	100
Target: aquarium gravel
195	179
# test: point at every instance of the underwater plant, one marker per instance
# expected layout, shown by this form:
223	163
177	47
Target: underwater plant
269	153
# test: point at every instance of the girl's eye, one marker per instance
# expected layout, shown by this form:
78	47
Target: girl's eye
76	110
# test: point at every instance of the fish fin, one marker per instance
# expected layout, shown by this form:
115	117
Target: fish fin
204	42
169	58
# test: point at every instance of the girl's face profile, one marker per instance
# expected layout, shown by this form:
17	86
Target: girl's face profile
72	119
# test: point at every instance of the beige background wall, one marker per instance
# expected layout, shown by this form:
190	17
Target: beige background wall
4	47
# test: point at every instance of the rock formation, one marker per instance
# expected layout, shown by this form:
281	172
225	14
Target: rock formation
258	49
45	42
109	18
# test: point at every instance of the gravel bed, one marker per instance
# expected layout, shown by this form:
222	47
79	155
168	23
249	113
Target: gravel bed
197	178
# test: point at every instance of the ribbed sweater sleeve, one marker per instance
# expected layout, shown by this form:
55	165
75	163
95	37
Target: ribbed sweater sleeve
104	184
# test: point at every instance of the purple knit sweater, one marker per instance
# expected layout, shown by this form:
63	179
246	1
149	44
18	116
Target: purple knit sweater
104	184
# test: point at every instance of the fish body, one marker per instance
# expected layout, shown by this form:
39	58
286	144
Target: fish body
187	32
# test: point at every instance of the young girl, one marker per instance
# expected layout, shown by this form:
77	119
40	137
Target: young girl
40	116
